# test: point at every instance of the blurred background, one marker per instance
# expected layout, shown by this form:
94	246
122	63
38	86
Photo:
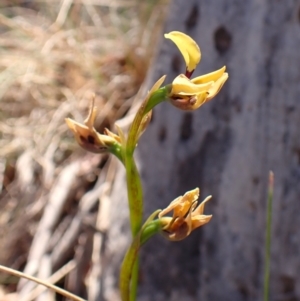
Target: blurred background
53	56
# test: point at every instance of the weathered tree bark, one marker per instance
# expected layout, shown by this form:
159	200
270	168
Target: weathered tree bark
227	149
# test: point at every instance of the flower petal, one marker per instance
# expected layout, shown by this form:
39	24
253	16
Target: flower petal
157	85
186	202
188	48
183	86
189	103
90	120
182	204
200	100
200	209
182	231
171	206
200	220
107	132
88	138
215	89
212	76
144	123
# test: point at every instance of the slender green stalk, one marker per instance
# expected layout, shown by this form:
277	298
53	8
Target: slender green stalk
135	199
134	279
117	151
157	97
268	237
134	186
154	99
135	195
150	230
129	268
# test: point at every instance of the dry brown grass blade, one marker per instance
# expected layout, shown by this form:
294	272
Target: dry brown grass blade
58	275
52	212
102	225
42	282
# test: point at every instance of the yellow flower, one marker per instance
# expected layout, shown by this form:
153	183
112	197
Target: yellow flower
186	216
188	48
88	138
189	94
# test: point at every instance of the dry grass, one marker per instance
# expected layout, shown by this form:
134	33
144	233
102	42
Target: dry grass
53	55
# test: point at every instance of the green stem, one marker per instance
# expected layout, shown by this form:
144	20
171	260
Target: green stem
135	195
268	238
117	151
150	230
134	279
135	199
127	273
157	97
130	265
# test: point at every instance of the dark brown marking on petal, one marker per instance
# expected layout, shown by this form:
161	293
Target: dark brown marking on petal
181	100
193	100
189	74
82	138
91	139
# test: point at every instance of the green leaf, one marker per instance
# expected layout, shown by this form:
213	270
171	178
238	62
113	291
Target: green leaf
268	237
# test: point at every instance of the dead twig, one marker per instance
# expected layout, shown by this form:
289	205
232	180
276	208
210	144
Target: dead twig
42	282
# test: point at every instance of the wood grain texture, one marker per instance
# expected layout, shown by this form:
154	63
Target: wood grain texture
227	149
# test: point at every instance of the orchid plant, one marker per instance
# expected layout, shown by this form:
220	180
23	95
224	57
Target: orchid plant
185	94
